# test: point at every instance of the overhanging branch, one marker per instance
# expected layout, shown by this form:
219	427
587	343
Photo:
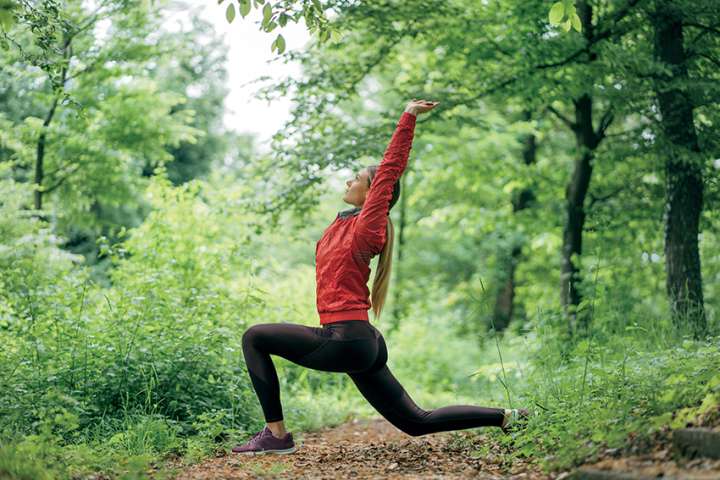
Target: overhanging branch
570	124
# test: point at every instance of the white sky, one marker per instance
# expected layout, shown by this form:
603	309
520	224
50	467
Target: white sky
247	57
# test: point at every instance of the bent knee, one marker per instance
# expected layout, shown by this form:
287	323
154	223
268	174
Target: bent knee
414	430
252	335
413	424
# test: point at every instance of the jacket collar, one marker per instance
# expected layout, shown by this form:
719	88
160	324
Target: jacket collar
350	212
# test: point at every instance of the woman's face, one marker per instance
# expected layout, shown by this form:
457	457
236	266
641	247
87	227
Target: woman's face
357	188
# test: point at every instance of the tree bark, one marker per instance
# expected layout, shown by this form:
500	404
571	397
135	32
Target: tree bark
40	155
587	139
42	138
575	194
683	176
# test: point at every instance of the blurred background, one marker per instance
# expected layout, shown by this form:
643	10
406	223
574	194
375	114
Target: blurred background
167	167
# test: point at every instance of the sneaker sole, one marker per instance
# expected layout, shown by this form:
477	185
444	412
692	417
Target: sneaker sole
262	452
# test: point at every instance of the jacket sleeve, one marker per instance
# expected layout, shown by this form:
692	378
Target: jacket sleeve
371	225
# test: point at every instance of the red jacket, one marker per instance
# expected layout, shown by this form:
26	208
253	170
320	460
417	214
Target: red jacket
342	255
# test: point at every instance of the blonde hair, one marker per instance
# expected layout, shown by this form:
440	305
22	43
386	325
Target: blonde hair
382	273
381	282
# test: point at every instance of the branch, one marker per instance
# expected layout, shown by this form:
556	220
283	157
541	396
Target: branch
465	101
571	125
711	29
498	47
61	181
616	18
560	63
595	199
91	66
605	122
89	20
708	57
61	167
631	132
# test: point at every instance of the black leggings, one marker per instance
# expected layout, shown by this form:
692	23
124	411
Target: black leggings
357	348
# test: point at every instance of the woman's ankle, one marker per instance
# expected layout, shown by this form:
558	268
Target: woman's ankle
277	429
506	416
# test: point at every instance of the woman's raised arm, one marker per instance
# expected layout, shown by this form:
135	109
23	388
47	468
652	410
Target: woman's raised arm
370	228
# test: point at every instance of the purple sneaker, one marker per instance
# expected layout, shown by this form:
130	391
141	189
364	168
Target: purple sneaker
265	442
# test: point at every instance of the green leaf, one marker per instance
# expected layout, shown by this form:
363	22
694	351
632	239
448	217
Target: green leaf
283	19
557	12
280	41
6	19
267	13
576	23
230	12
512	185
219	2
317	5
566	25
244	7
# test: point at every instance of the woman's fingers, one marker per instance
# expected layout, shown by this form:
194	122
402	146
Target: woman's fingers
423	105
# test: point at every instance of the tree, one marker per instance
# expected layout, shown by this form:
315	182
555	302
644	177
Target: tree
102	120
489	68
596	83
522	198
683	167
196	71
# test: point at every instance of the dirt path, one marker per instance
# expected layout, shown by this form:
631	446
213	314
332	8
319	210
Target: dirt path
369	449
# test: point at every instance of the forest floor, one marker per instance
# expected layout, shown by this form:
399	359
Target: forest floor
374	449
369	449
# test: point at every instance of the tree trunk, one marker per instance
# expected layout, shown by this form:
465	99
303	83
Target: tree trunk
575	194
684	183
587	140
42	139
503	312
40	155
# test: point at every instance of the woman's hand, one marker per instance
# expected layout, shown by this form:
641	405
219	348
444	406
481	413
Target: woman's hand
417	107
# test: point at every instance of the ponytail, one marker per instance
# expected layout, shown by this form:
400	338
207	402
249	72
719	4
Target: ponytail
382	272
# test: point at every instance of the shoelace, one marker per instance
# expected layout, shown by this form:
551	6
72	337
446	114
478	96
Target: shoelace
256	437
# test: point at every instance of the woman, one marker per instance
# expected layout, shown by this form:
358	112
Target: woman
347	342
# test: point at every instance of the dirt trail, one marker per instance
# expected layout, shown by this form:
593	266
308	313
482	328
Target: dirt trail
369	449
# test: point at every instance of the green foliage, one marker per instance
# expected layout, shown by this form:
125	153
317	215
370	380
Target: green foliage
122	107
150	355
142	359
278	13
631	377
7	18
230	12
563	13
610	392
